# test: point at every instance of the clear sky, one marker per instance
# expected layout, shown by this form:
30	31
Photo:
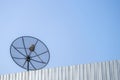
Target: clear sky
75	31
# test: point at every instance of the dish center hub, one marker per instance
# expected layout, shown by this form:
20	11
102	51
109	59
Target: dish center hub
28	58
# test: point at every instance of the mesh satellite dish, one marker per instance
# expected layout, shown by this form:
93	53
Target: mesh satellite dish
29	53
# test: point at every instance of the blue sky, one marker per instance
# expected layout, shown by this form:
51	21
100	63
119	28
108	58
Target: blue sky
75	31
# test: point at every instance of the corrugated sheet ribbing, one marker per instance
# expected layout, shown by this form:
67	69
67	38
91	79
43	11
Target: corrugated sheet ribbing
97	71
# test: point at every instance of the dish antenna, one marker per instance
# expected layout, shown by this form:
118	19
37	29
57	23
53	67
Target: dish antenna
29	53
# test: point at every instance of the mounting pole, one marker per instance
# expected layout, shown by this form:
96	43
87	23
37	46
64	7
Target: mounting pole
27	65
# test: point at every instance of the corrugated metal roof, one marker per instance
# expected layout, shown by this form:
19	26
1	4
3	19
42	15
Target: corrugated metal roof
109	70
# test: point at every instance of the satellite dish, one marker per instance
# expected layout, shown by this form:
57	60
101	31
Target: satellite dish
29	53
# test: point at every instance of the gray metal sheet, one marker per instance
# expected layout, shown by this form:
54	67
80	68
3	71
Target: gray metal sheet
109	70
